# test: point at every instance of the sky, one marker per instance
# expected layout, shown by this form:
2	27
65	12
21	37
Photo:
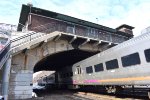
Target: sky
110	13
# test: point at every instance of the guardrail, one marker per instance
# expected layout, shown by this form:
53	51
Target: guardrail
4	54
25	38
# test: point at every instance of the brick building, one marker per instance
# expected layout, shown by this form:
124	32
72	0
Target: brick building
40	20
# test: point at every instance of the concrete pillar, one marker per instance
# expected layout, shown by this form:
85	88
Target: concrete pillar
6	75
20	85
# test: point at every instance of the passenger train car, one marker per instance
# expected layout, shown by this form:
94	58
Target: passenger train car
127	64
47	80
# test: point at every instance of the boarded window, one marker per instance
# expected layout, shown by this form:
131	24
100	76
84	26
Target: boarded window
112	64
130	60
147	55
89	69
98	67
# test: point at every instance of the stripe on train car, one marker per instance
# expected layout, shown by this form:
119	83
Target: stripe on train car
118	79
126	79
91	81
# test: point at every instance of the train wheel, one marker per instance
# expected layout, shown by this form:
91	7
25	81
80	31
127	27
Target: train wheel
111	89
119	89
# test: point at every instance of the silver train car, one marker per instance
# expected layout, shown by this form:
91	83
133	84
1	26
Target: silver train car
47	81
125	65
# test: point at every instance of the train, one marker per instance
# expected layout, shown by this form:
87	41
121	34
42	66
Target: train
122	66
47	80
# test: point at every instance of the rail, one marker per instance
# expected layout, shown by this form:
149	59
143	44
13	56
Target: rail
25	38
4	54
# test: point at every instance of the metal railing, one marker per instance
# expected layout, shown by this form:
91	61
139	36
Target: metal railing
4	54
25	38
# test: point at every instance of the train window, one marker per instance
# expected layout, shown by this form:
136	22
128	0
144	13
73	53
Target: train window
98	67
112	64
131	59
89	69
147	54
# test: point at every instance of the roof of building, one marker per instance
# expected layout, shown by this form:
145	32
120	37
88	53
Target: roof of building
125	26
29	9
26	10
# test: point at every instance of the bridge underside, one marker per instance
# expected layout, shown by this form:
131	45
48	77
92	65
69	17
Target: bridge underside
59	60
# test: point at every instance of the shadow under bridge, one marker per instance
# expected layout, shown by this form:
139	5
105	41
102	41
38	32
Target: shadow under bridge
61	59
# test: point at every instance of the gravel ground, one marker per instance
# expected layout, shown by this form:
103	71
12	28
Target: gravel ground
71	95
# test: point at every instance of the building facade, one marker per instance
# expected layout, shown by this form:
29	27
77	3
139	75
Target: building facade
40	20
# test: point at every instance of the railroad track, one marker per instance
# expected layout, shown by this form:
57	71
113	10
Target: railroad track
95	96
75	95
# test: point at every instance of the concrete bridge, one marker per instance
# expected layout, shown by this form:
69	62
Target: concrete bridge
47	51
41	51
50	44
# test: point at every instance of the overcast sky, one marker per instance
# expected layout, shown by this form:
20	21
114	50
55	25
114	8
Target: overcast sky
111	13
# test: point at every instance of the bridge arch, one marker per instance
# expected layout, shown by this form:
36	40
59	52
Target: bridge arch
65	58
33	58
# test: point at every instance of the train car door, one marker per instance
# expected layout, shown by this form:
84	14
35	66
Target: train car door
79	74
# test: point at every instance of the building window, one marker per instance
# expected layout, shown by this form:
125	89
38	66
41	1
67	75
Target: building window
71	29
112	64
132	59
89	69
147	54
91	32
98	67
